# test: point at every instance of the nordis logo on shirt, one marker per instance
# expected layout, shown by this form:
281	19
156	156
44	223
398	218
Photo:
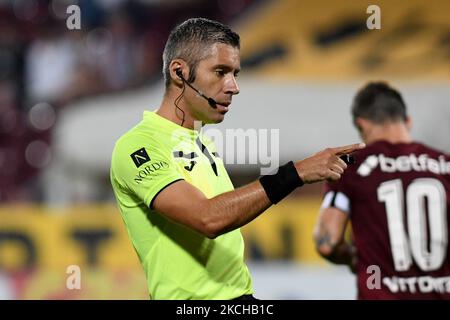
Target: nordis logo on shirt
404	163
140	157
150	170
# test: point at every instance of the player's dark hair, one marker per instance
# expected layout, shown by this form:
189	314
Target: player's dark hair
192	41
379	103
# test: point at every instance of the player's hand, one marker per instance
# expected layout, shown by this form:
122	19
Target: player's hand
354	259
326	164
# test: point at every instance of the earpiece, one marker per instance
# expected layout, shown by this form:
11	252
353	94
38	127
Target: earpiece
179	73
211	101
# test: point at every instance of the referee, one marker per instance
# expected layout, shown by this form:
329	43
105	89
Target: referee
179	206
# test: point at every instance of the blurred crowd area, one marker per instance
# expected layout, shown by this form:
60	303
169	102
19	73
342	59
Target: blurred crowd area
47	70
44	66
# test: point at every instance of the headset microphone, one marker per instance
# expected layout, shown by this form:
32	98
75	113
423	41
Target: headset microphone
211	101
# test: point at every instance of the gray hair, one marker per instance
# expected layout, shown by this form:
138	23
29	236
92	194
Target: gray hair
192	41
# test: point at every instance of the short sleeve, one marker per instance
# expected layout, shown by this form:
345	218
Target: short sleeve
142	167
336	195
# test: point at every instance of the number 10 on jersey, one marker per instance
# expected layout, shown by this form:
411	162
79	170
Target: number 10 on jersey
404	246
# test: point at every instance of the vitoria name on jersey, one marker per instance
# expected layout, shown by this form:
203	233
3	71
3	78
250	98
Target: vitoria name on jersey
425	284
405	163
150	170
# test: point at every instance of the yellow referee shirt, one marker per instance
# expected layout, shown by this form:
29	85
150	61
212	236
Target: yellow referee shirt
179	263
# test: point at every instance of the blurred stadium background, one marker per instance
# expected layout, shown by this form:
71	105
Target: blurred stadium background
67	95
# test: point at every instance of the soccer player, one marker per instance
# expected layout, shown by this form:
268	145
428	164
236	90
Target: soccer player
174	194
397	198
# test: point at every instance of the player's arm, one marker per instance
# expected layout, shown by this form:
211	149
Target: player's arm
187	205
329	237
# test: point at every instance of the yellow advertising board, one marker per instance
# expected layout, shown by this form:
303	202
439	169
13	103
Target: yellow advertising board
38	245
94	235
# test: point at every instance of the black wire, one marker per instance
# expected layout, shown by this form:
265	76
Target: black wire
177	100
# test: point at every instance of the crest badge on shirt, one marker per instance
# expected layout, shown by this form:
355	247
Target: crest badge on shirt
140	157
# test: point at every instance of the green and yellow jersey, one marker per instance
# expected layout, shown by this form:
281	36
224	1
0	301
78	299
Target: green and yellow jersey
179	263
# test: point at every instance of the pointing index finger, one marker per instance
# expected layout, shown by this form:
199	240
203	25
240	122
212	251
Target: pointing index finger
348	149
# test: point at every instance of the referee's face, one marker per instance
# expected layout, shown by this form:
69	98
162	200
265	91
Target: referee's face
216	78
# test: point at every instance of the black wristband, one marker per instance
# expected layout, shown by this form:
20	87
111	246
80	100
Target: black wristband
282	183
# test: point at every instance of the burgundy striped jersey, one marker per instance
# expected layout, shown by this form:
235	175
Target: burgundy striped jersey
398	199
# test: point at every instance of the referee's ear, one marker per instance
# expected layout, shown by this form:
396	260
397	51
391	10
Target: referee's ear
177	64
